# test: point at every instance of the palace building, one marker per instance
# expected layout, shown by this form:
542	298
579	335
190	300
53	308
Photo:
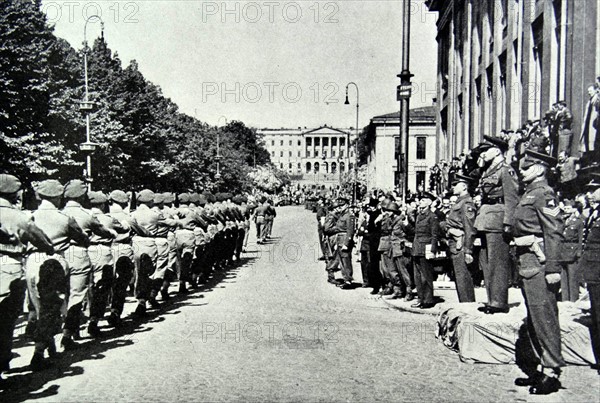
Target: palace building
503	62
318	156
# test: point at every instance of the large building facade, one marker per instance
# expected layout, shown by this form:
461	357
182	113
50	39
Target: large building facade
318	156
383	136
503	62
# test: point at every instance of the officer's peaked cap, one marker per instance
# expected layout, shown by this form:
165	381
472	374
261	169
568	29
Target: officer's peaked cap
534	157
490	141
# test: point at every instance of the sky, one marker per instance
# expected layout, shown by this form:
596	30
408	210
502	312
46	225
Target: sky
269	64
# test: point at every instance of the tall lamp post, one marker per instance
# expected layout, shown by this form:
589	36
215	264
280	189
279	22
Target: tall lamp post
404	91
356	128
218	156
87	106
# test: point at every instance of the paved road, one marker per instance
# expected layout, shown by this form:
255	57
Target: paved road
274	330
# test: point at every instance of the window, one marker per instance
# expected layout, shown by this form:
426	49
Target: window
281	153
290	165
325	142
325	154
281	165
309	141
333	153
299	143
317	141
307	154
281	142
290	153
272	153
421	148
421	179
272	142
334	142
333	167
316	153
342	142
341	153
299	167
299	153
308	167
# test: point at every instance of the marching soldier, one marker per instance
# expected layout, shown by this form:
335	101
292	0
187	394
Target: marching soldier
123	255
260	219
82	270
20	230
44	282
103	263
168	265
499	195
537	235
590	267
460	234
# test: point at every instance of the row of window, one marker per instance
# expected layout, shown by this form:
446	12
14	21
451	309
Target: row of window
316	168
324	155
334	142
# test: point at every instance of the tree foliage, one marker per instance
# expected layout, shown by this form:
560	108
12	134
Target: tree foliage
144	140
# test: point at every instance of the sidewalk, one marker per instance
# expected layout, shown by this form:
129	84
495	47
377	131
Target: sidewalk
445	293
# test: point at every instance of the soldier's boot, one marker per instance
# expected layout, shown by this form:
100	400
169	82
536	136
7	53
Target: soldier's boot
68	344
164	291
114	319
52	349
545	386
182	288
39	363
140	311
93	329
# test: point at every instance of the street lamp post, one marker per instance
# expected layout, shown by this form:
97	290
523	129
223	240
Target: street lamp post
403	95
356	128
218	156
86	106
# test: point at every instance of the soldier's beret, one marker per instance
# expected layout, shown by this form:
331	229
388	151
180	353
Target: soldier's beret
536	158
169	197
490	142
9	184
159	198
184	198
202	200
145	196
75	188
97	197
119	196
194	198
50	188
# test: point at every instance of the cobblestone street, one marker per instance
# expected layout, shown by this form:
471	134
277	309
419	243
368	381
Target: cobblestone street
272	329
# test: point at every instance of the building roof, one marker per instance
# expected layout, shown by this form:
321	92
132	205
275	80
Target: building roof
425	114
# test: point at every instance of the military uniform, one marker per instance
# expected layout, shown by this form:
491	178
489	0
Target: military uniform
499	194
460	234
21	231
343	242
538	230
394	263
321	214
82	270
260	220
426	233
590	268
570	253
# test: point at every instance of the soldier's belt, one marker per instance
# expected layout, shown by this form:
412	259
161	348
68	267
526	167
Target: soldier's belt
534	244
11	250
493	200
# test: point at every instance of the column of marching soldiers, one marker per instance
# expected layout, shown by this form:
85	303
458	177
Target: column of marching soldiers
519	220
92	250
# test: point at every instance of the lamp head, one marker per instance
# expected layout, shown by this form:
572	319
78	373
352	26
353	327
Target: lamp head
347	101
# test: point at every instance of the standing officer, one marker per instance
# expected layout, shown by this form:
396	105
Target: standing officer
499	195
460	234
394	261
81	266
570	253
330	230
538	233
344	240
321	214
21	230
426	233
590	267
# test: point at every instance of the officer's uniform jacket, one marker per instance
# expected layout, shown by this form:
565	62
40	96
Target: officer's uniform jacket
344	229
397	235
498	187
590	259
538	214
385	230
426	232
462	217
573	239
